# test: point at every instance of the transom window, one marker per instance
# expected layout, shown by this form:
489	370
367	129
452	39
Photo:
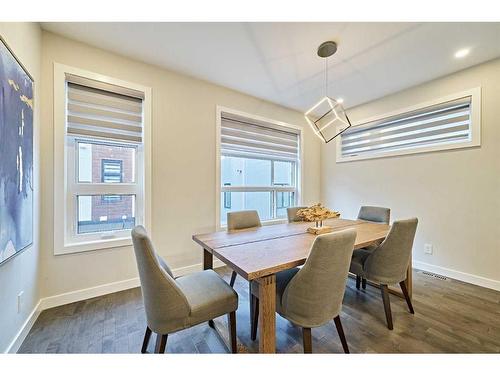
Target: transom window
452	122
258	167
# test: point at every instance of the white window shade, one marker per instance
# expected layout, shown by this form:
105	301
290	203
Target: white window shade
242	138
441	124
94	112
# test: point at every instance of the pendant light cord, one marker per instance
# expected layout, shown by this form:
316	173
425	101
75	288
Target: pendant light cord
326	76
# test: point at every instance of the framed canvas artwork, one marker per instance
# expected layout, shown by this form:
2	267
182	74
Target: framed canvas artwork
16	155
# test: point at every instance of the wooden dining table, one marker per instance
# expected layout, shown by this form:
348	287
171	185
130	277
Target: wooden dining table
257	254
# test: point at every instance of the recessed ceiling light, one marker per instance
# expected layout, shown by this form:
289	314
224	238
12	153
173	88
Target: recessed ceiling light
340	100
462	53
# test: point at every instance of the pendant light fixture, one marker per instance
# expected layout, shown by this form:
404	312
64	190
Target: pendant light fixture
327	117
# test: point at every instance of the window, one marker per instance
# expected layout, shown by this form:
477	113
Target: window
227	197
111	170
104	170
445	124
259	166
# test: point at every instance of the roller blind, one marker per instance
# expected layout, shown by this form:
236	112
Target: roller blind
94	112
439	124
244	137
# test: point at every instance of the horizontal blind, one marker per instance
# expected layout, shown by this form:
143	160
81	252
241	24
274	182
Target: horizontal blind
92	112
439	124
243	137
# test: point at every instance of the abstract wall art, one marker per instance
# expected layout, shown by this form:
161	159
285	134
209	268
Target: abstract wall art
16	155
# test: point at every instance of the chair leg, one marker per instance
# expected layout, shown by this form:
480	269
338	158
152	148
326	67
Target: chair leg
340	331
161	343
254	318
307	340
402	284
358	281
233	278
145	343
251	302
387	305
363	283
252	307
231	322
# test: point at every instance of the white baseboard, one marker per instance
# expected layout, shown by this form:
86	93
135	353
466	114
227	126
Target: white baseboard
100	290
83	294
218	263
194	268
18	339
458	275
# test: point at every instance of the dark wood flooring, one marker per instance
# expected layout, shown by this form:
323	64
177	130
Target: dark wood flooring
450	317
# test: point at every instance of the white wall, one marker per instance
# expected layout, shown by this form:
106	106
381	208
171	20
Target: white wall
183	167
455	194
21	273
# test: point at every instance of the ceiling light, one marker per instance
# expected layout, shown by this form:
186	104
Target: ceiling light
327	117
462	53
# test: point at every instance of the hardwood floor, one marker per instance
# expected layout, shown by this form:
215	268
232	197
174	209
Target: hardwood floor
450	317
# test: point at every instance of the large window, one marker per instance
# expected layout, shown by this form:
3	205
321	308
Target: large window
259	164
104	168
453	122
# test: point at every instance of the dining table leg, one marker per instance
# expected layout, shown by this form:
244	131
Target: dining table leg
267	316
208	260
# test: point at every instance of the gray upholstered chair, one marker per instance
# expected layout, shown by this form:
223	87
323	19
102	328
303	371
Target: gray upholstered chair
388	263
175	304
238	220
291	213
312	295
243	220
377	215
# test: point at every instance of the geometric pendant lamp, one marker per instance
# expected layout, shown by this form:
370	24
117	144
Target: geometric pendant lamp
327	118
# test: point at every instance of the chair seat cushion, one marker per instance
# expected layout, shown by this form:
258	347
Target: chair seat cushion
358	261
208	295
282	280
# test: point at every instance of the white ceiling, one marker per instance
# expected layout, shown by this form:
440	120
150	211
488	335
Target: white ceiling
278	61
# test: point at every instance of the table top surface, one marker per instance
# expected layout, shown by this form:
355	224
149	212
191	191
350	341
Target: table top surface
262	251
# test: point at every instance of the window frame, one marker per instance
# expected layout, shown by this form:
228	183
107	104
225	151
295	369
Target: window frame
298	172
475	121
65	179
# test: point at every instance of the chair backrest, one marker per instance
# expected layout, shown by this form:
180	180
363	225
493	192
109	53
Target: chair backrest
314	295
376	214
164	302
388	263
291	212
243	220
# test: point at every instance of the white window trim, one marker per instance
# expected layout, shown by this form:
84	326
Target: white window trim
218	121
62	244
475	118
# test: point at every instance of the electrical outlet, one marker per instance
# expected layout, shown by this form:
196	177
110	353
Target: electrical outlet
20	301
428	248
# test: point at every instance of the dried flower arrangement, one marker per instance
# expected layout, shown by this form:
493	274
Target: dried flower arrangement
317	213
